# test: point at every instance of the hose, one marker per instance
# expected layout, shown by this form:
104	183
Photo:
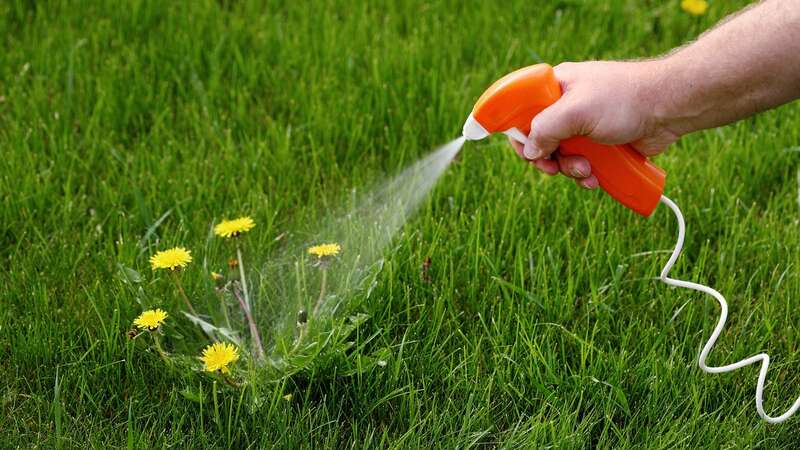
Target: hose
762	358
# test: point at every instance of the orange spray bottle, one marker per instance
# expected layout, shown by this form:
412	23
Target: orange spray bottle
509	106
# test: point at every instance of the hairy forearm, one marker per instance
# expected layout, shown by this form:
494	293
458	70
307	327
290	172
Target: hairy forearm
747	64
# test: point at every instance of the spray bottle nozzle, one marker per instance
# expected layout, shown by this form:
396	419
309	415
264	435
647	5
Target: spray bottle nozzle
473	130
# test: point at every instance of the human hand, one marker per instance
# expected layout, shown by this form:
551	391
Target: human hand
610	102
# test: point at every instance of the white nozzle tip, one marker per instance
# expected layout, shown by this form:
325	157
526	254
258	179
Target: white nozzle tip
473	130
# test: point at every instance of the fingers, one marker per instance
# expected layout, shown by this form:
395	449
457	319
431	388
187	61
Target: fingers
517	146
574	166
578	168
547	166
555	123
589	182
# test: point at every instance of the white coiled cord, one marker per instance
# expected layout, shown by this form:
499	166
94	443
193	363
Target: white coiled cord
763	358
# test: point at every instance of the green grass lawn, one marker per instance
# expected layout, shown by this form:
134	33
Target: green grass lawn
130	127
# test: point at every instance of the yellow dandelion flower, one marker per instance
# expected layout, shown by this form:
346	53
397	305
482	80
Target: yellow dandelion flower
173	258
150	319
218	355
695	7
323	250
216	276
229	228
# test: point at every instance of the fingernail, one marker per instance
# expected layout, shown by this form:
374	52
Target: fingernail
579	171
529	151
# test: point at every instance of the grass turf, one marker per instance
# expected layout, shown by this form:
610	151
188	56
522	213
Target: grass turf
542	324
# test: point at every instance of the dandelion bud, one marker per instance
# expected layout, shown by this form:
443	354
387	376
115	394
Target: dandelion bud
218	279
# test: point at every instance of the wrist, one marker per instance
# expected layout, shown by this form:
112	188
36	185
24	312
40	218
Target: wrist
660	96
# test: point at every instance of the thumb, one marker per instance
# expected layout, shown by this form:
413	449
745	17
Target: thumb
557	122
